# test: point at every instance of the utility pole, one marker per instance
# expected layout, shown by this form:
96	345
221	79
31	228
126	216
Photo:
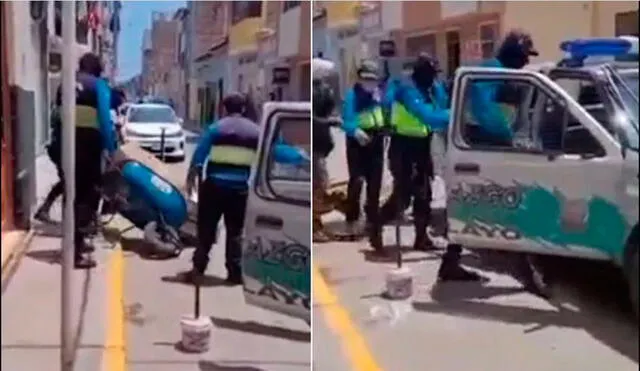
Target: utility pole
68	165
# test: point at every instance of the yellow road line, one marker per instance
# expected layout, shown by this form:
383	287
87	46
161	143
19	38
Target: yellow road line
115	354
340	322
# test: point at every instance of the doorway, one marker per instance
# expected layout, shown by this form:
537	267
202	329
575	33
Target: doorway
453	52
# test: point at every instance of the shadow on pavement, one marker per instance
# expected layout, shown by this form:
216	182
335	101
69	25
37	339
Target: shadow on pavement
51	229
596	301
389	255
256	328
46	256
206	280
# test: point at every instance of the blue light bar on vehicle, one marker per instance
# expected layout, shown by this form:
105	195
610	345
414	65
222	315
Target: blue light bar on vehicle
578	50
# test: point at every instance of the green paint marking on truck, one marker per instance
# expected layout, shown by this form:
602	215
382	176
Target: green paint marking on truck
294	280
543	215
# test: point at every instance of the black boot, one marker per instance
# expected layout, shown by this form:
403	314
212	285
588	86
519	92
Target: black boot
234	277
375	238
423	243
82	261
450	268
43	213
532	277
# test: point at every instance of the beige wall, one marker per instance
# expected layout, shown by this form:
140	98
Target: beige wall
549	22
604	22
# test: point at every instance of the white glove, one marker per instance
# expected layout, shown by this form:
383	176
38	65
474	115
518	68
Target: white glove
362	137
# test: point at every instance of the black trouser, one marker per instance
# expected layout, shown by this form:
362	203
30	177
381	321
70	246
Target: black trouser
214	202
88	179
412	169
58	189
365	162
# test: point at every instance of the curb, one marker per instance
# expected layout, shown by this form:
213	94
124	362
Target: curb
12	261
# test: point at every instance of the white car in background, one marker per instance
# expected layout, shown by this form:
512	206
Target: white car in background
144	124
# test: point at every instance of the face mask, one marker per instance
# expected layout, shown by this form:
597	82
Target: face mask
369	86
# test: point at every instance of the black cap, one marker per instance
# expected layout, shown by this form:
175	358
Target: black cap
426	61
234	103
368	70
91	64
522	39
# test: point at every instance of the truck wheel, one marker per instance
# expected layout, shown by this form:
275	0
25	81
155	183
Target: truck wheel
634	286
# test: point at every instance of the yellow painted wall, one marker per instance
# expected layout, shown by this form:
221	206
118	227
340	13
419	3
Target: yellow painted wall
341	13
242	35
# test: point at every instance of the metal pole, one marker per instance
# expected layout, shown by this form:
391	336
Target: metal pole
69	167
162	144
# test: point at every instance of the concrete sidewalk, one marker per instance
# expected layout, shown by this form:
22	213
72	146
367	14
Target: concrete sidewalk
31	311
31	302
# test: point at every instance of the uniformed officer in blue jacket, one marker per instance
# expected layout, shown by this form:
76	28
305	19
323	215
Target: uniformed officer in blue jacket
95	134
418	107
226	151
363	124
53	151
494	104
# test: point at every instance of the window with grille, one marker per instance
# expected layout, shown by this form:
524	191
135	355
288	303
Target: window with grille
488	39
423	43
245	9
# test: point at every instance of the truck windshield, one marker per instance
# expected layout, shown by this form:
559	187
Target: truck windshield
625	82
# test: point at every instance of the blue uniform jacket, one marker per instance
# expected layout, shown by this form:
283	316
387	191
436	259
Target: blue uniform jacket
436	116
103	102
237	178
485	108
353	104
107	127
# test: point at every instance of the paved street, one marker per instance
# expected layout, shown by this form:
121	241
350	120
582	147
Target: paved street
129	310
458	326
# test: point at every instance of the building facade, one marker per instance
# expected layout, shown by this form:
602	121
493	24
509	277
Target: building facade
340	40
206	71
463	32
164	51
31	72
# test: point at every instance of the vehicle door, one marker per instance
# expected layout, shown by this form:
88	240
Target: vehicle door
549	190
276	256
602	96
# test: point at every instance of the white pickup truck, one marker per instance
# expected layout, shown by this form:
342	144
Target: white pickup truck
567	184
276	257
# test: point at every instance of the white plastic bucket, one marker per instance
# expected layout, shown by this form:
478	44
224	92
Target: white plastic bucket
196	333
399	283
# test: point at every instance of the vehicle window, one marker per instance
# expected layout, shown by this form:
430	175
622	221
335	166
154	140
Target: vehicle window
293	143
538	122
584	92
561	132
627	83
140	115
512	103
